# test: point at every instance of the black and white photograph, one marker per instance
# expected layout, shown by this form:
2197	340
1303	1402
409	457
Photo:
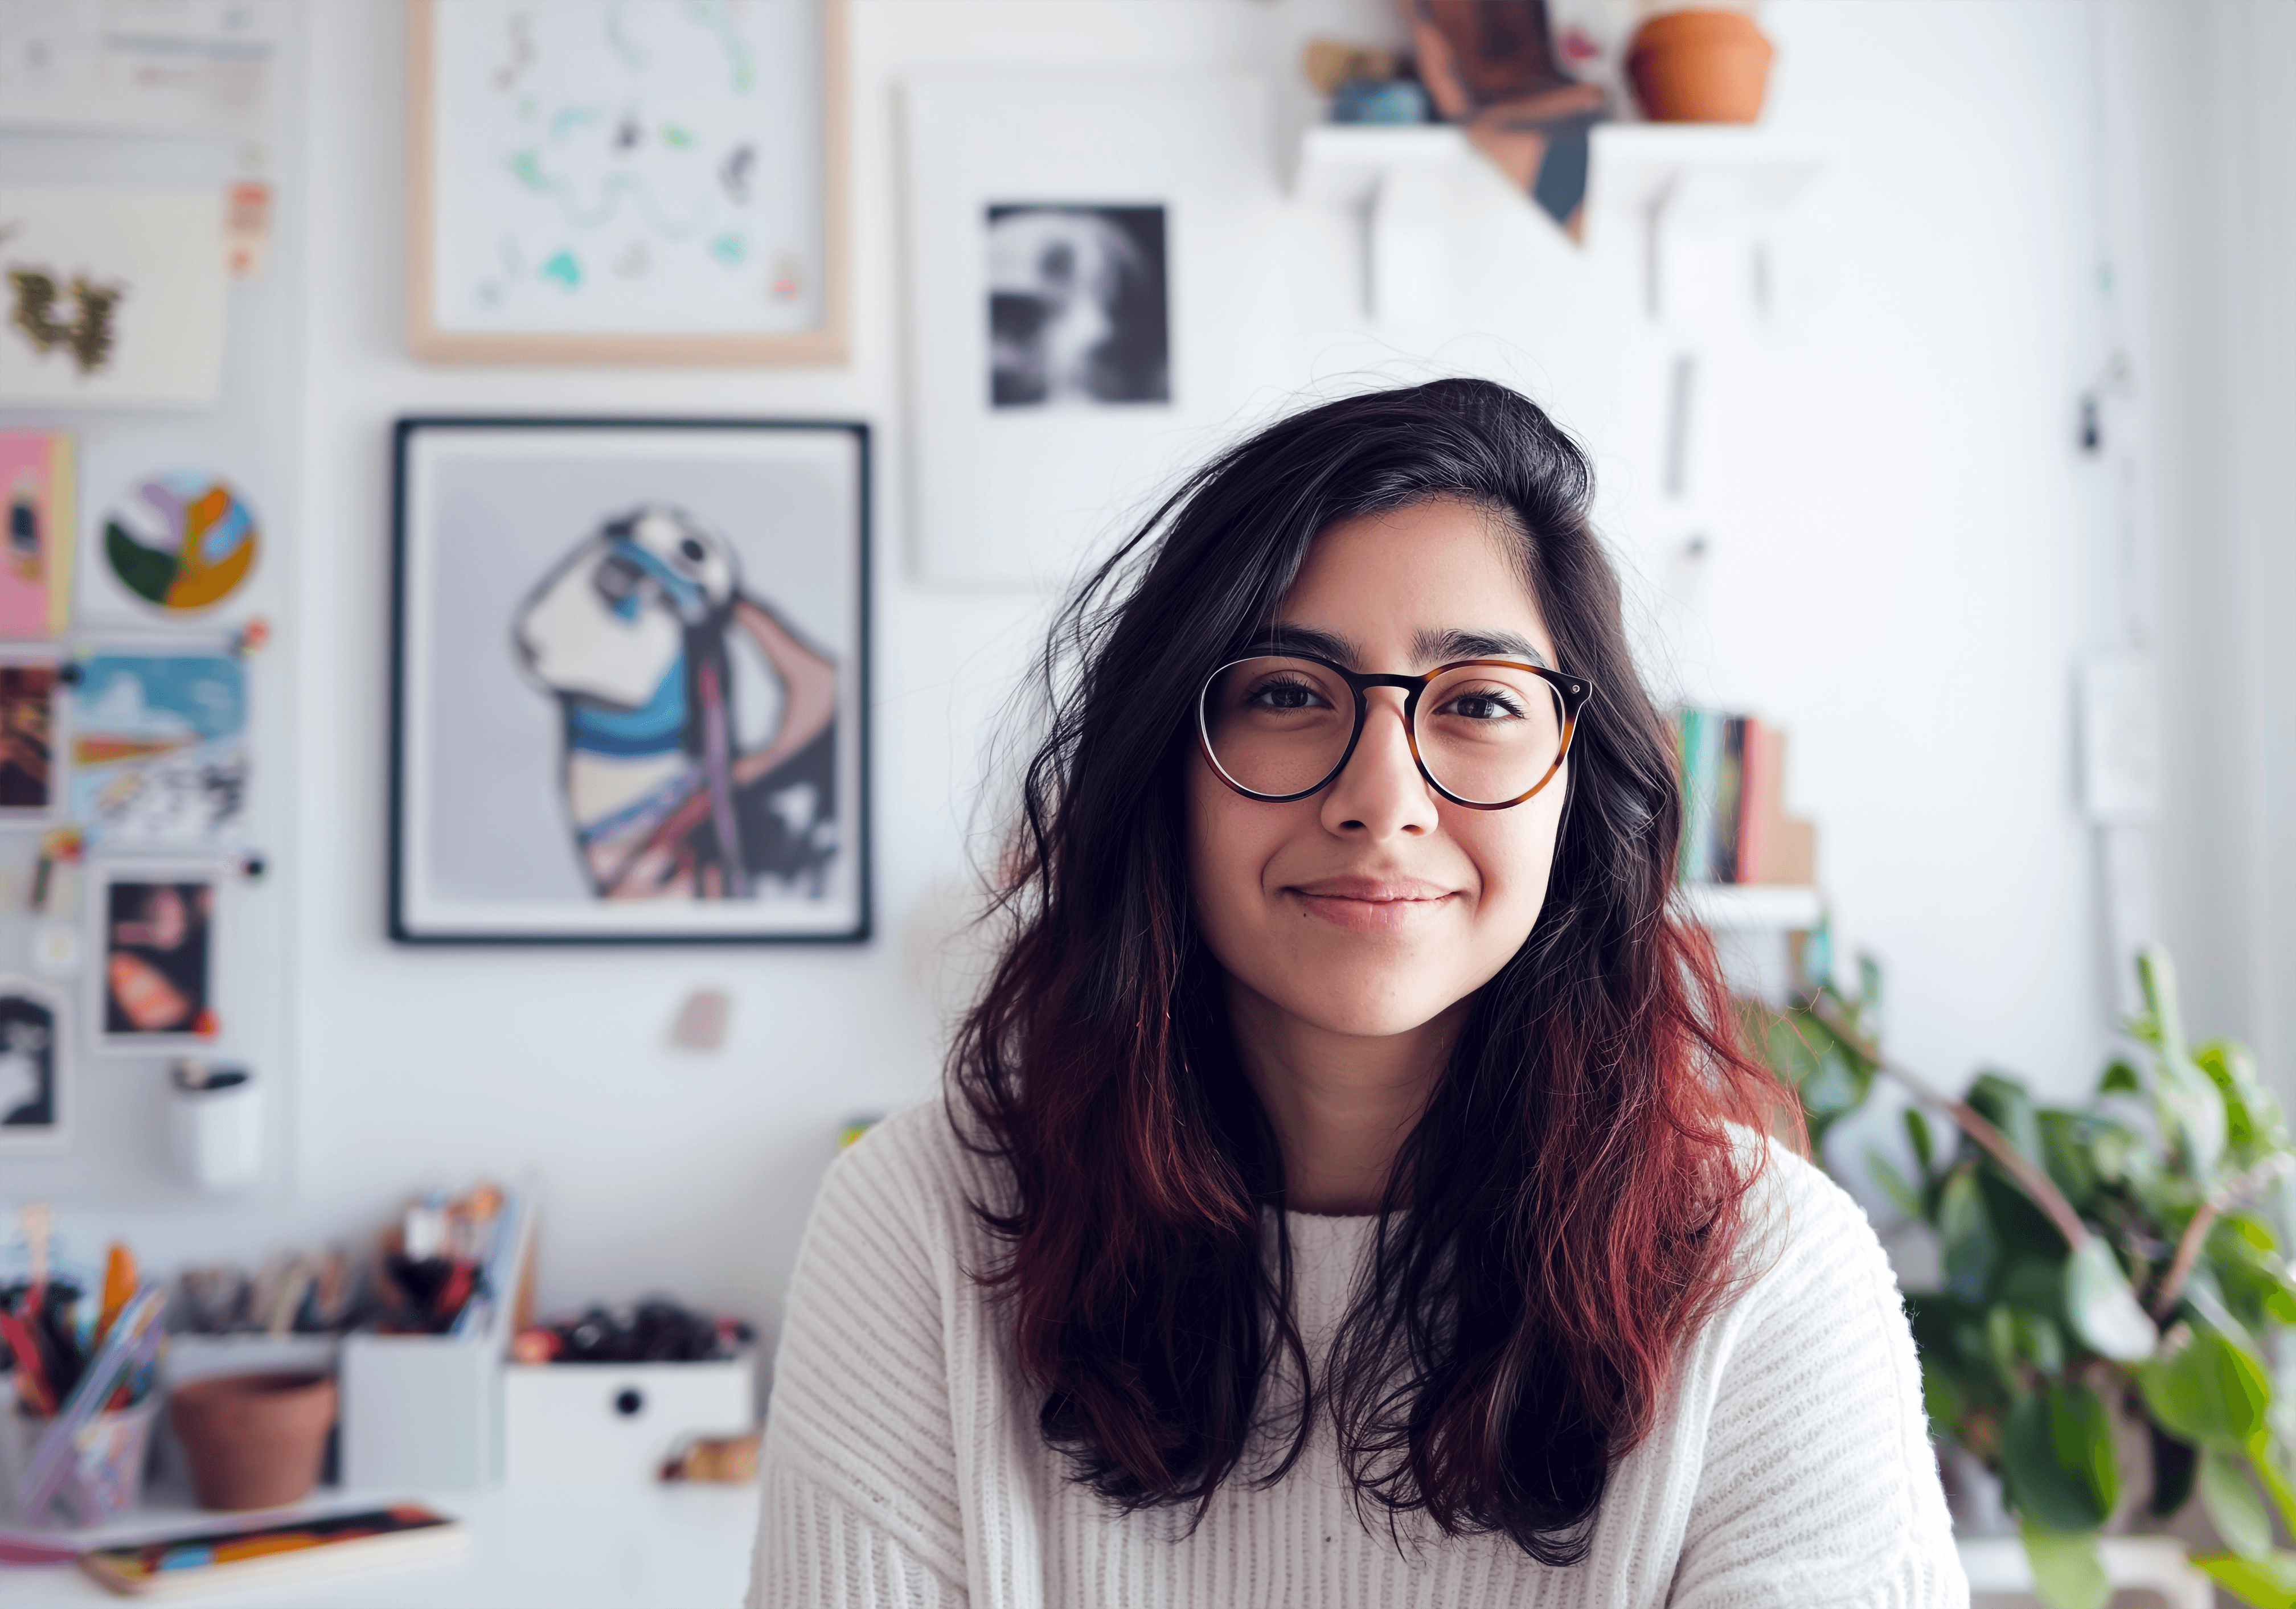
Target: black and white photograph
630	682
34	1088
1088	284
1077	306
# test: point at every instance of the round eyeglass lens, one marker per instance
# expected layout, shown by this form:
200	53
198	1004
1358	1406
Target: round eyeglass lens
1276	724
1490	733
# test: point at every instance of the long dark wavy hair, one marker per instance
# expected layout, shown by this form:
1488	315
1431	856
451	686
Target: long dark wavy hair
1566	1210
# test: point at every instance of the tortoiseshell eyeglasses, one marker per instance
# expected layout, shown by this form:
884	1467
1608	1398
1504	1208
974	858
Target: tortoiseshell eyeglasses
1486	733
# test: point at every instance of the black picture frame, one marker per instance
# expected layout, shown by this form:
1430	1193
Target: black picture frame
599	545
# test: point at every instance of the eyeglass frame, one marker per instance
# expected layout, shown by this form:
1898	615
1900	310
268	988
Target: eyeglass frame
1572	691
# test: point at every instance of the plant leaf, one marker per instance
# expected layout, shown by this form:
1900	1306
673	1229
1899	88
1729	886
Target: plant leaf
2065	1151
2067	1572
2103	1310
2174	1465
1917	1135
2211	1393
2236	1507
1970	1250
2057	1453
1941	1400
2119	1078
1893	1184
2191	1108
2270	1583
2006	1103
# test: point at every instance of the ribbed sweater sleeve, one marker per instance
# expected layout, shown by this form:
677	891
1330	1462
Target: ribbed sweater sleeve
1818	1484
860	1490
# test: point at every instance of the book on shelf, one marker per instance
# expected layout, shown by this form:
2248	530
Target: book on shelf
1734	828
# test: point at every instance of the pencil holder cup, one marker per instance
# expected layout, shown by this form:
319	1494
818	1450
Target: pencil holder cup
217	1133
103	1474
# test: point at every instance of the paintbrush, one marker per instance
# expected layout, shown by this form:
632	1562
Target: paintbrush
119	1287
39	1227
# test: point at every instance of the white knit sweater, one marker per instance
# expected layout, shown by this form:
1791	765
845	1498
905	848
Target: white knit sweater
903	1464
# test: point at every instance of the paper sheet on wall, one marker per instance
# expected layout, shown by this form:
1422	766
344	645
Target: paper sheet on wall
196	67
111	298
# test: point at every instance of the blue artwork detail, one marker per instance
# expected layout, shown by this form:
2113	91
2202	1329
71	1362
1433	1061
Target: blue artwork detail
657	727
684	592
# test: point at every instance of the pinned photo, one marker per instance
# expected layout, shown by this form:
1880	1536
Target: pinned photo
32	1069
157	982
37	480
158	748
27	726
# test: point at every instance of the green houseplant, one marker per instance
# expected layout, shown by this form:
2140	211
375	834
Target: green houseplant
2116	1256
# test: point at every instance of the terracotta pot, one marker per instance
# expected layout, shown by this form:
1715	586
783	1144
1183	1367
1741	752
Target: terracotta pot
254	1441
1700	67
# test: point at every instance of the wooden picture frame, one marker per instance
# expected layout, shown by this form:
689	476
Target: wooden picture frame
630	681
657	321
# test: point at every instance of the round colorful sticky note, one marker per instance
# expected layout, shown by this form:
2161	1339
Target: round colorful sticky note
186	544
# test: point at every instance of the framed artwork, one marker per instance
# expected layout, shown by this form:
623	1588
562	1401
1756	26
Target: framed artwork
1087	307
153	990
630	681
628	181
158	748
35	1069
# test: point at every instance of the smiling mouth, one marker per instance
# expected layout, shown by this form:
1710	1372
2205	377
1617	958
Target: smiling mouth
1367	905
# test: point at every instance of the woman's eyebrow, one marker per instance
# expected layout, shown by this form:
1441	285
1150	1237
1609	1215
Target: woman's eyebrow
1309	639
1433	647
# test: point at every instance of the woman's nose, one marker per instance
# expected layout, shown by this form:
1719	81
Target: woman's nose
1381	792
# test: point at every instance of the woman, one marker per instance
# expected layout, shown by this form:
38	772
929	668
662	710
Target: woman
1350	1189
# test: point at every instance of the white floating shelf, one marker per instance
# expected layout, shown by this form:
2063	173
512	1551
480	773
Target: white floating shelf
1696	172
1752	906
1344	164
1706	170
1660	174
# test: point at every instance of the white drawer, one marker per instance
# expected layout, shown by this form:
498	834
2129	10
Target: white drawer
618	1421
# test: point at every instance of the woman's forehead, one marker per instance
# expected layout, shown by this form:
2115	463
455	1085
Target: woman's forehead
1431	582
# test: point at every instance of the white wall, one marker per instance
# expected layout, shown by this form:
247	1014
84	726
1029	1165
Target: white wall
1901	536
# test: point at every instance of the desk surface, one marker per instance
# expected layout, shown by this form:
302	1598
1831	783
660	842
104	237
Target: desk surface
585	1543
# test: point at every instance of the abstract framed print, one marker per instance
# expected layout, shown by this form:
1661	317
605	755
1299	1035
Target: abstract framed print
630	682
628	181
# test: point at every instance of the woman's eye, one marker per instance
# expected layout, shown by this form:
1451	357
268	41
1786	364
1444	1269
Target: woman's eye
1284	695
1482	706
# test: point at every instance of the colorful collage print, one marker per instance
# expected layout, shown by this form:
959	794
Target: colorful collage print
124	758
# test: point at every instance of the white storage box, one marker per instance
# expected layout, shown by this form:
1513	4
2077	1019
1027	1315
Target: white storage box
420	1411
424	1412
619	1421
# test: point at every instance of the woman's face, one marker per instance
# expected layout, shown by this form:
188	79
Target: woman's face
1370	907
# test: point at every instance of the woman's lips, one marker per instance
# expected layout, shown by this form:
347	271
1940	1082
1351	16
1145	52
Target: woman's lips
1371	905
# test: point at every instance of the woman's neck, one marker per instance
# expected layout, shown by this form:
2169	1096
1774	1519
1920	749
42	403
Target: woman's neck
1341	1104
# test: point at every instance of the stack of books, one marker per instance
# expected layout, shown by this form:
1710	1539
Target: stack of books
1734	828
